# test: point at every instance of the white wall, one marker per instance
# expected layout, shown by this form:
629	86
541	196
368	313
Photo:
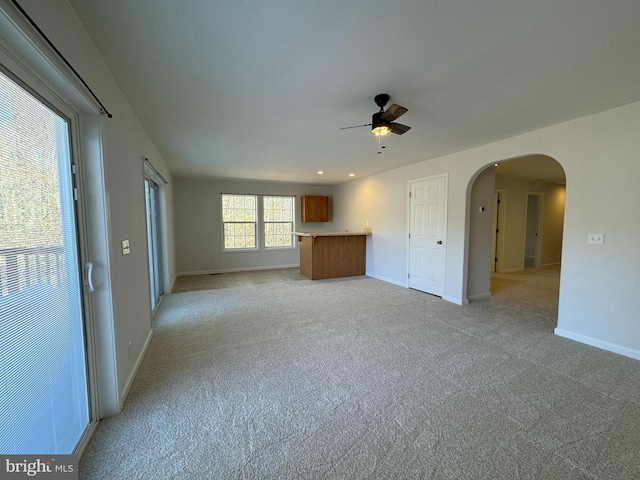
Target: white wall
198	225
515	211
113	152
601	157
480	234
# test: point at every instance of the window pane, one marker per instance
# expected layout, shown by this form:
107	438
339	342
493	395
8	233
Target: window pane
239	235
278	209
239	208
278	235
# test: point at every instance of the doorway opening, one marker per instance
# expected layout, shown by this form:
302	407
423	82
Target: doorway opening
524	228
533	229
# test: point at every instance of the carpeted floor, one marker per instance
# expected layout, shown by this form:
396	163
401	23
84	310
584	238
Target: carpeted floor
359	379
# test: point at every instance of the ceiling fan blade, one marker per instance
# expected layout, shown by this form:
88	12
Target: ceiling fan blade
393	112
398	128
356	126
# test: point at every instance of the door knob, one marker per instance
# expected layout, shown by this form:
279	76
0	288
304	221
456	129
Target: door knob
439	242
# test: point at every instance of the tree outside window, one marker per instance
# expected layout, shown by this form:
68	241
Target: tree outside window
239	219
243	216
278	221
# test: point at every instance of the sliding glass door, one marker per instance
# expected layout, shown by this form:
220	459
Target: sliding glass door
44	404
154	245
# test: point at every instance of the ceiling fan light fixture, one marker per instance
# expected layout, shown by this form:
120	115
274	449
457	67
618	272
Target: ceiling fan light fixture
380	130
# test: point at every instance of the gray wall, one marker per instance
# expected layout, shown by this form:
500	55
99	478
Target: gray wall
480	234
113	190
515	208
599	154
198	225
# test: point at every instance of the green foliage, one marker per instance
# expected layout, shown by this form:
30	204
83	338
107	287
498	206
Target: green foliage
240	214
29	196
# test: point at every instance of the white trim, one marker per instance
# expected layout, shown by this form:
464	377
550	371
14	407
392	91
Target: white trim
136	367
151	173
27	56
388	280
501	228
594	342
444	175
479	296
233	270
539	223
513	270
21	41
457	301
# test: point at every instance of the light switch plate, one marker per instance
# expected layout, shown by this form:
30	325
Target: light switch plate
595	239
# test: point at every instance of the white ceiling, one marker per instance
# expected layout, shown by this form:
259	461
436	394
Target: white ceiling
258	90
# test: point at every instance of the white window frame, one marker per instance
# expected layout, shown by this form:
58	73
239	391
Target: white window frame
263	223
255	223
259	224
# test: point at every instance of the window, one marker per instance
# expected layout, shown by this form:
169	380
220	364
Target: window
278	221
239	220
243	216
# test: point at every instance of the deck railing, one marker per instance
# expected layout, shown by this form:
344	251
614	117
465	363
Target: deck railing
30	266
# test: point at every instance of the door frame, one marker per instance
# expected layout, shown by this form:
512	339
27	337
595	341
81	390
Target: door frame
152	175
444	175
28	80
26	54
498	233
540	209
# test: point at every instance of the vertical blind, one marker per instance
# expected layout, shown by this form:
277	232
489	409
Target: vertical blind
43	384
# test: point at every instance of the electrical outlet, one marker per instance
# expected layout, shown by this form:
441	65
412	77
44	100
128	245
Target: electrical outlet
126	250
595	239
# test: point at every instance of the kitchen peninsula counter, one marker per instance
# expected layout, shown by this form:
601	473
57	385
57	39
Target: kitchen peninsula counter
332	254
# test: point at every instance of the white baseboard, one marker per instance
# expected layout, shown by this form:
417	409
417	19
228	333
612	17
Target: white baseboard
388	280
479	296
134	370
594	342
457	301
232	270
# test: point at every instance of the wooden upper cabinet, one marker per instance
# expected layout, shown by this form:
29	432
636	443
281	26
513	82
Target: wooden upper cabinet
315	208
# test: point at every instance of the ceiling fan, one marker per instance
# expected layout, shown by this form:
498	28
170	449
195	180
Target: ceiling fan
383	122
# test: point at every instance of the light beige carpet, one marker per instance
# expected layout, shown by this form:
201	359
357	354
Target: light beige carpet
359	379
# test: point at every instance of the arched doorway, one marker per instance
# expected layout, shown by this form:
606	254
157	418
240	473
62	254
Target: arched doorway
516	222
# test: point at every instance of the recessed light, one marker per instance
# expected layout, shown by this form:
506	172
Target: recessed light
320	172
495	164
352	174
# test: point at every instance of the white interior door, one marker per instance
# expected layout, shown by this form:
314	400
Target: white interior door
427	229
